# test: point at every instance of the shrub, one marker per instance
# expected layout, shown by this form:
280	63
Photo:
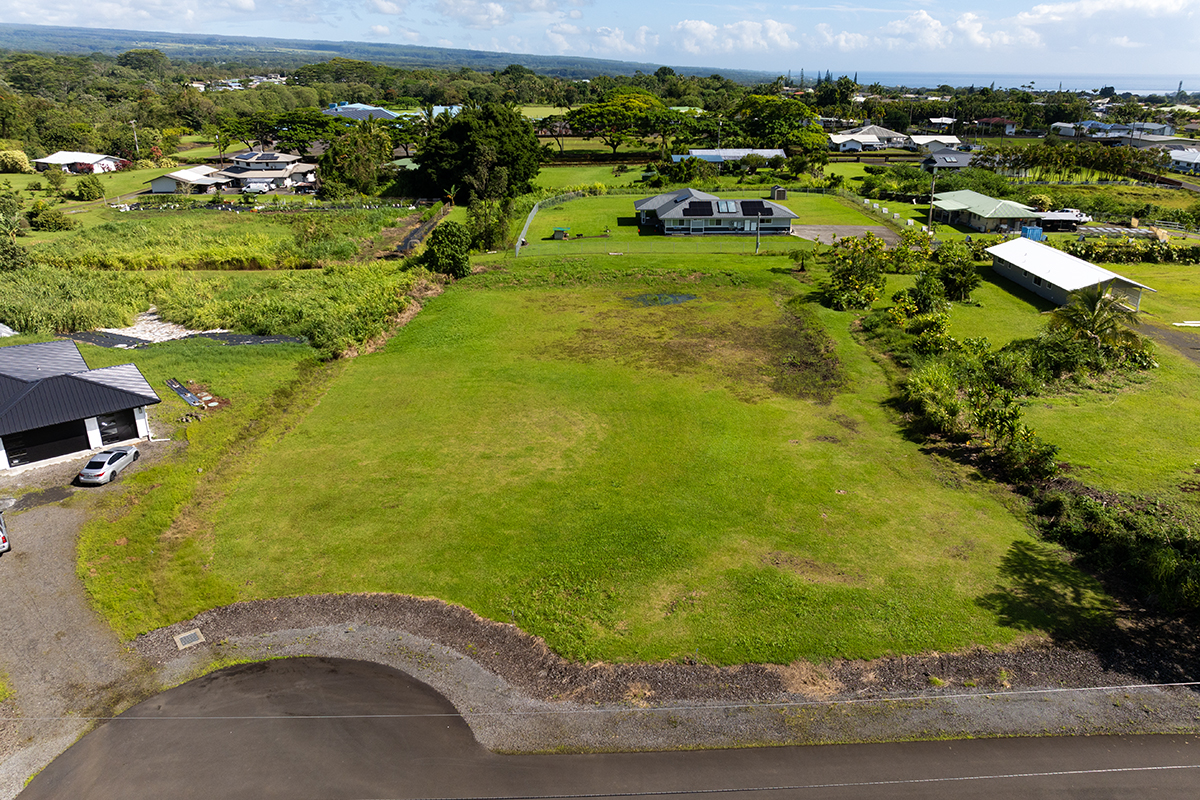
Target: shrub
89	187
42	217
12	255
856	277
448	250
15	161
956	270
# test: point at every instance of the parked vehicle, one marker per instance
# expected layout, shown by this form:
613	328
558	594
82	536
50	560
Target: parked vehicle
106	466
5	544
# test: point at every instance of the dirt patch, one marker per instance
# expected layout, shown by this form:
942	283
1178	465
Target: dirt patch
1186	343
808	680
42	497
811	570
827	439
210	400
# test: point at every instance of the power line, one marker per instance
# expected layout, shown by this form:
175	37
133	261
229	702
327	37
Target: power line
646	709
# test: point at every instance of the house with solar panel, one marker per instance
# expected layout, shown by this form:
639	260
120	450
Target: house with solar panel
692	212
52	404
267	171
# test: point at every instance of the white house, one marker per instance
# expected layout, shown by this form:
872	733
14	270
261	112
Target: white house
887	137
1185	161
720	156
270	170
1053	274
935	141
193	180
854	142
73	161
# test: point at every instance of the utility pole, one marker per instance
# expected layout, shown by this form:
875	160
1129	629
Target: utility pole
932	191
136	146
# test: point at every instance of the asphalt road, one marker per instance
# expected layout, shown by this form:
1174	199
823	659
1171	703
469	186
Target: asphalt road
329	728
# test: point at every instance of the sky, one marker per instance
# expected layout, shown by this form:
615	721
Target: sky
1076	37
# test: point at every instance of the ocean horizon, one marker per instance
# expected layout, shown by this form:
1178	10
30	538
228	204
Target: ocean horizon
1165	85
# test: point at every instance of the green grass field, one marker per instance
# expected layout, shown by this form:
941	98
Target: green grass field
630	482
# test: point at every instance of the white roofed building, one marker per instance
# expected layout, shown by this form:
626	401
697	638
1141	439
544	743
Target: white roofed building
1054	275
74	161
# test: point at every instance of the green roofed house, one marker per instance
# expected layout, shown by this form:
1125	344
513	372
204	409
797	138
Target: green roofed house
983	213
688	211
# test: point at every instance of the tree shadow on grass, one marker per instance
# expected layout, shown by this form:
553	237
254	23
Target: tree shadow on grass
1043	591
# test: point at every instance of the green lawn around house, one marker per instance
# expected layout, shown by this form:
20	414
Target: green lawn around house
629	482
558	177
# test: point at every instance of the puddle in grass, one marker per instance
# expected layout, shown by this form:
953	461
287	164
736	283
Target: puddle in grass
660	299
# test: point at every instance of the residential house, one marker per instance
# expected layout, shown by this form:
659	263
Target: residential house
358	111
946	160
854	142
1008	126
52	405
193	180
267	170
1054	275
942	123
692	212
1153	128
73	161
983	213
1187	161
724	154
937	141
888	138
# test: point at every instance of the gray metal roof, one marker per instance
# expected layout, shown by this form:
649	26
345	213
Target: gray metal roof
265	158
727	209
31	362
670	199
49	383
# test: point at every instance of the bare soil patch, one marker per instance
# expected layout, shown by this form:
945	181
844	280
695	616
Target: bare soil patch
810	570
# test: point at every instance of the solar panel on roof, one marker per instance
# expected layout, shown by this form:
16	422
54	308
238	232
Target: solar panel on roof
753	208
268	157
698	208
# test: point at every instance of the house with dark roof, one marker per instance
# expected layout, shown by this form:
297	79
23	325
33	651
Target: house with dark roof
52	405
193	180
721	155
273	170
946	159
692	212
358	111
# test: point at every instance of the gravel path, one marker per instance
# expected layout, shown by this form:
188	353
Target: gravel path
824	234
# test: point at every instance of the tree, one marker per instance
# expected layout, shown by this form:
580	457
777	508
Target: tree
453	153
775	121
956	270
152	61
448	250
613	123
856	278
355	159
15	161
1098	317
89	187
296	131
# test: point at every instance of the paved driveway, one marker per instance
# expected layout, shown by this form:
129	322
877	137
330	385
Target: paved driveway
331	728
825	234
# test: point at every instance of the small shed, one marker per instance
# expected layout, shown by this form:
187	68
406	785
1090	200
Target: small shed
562	233
778	193
1053	274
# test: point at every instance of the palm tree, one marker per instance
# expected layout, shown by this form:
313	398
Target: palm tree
1096	315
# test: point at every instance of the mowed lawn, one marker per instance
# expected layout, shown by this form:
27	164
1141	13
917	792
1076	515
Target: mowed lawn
609	224
624	481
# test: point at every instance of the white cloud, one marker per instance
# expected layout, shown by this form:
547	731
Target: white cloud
480	14
1124	41
445	43
380	30
845	41
241	5
917	31
575	14
1082	9
388	7
701	37
566	37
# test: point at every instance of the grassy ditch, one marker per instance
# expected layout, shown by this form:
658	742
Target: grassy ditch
143	559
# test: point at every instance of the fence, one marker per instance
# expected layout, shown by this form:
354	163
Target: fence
553	201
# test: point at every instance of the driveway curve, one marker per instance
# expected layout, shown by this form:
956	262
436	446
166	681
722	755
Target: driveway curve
331	729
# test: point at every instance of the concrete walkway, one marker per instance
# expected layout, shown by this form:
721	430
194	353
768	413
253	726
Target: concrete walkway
825	234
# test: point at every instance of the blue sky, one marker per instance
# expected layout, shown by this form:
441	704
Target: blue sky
1077	37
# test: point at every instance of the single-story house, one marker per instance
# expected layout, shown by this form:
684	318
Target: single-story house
854	142
942	123
1185	161
1009	126
888	138
74	161
1053	274
688	211
983	213
193	180
358	111
720	156
946	159
52	405
1155	128
274	170
935	141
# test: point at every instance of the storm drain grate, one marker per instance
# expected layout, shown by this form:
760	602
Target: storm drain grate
185	640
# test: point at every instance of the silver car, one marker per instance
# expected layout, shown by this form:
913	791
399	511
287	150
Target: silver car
5	545
105	467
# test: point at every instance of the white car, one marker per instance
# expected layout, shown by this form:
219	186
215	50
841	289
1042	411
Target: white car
106	466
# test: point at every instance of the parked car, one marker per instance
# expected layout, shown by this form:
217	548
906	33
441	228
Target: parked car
256	188
5	544
106	466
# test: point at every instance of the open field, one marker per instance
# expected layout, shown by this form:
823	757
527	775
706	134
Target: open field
629	482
